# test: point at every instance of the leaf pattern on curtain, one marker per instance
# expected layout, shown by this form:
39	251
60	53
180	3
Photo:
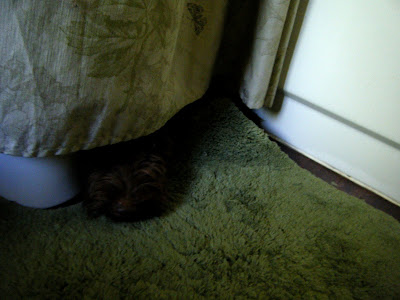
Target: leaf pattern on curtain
28	110
123	38
79	74
199	20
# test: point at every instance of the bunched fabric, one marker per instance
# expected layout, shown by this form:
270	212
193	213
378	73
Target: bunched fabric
78	74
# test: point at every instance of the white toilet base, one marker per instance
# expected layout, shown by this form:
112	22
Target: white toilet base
39	182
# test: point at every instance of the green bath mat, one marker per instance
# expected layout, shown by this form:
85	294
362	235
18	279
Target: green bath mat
245	222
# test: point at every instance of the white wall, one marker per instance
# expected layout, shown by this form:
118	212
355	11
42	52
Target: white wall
342	91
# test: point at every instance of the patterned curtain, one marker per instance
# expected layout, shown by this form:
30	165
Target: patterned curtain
253	48
78	74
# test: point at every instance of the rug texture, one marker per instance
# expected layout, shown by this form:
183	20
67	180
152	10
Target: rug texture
244	222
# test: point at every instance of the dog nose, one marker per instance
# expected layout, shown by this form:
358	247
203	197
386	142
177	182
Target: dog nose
123	207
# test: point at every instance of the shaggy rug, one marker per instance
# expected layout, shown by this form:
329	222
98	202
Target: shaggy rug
244	222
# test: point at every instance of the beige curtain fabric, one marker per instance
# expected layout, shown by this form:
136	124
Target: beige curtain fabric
253	48
78	74
262	72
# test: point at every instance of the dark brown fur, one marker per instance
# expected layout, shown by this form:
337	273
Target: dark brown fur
128	181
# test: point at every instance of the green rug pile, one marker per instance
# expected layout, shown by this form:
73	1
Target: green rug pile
245	222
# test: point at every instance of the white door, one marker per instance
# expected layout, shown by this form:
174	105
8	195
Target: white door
342	92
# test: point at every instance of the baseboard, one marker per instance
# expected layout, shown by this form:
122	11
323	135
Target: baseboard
366	159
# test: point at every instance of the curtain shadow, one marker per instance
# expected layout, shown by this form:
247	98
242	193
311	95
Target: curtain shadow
235	47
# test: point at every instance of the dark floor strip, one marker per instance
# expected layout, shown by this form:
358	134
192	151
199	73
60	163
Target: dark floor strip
341	182
330	176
